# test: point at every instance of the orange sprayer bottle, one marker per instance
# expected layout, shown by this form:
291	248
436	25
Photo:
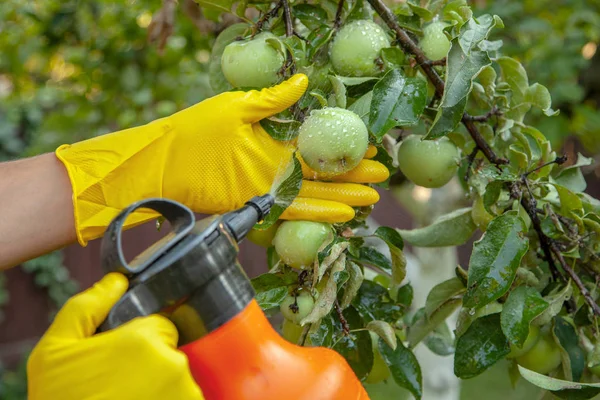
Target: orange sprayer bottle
192	276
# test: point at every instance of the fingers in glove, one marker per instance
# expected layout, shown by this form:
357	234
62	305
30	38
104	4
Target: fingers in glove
317	210
371	151
367	171
154	326
83	313
257	105
352	194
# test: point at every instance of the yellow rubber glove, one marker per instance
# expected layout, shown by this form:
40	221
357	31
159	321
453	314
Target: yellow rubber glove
212	157
138	360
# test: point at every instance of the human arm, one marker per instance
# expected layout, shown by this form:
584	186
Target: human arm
36	209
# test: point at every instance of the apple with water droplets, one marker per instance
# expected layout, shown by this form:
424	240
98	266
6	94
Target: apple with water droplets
435	44
298	242
333	140
357	47
252	62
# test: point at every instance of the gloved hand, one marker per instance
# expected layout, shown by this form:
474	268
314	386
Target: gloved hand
138	360
212	157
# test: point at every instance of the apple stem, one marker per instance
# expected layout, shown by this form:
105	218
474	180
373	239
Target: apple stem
549	246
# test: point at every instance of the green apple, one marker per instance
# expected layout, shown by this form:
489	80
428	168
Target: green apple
356	48
264	237
252	62
435	43
332	140
544	356
291	331
428	163
380	370
296	308
532	339
297	242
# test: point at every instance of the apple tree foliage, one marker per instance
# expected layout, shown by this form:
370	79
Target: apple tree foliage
535	267
70	70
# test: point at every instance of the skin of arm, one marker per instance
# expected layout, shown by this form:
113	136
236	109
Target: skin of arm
36	209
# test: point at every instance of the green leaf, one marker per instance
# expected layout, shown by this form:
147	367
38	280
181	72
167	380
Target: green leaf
457	11
328	295
362	106
355	281
482	346
495	259
271	289
539	96
405	295
320	96
571	176
354	81
561	388
573	357
404	367
385	331
339	91
312	16
476	30
216	78
357	347
395	244
371	256
280	130
443	293
492	193
397	101
569	202
373	301
287	188
441	341
393	57
555	301
513	73
453	229
421	12
322	334
424	325
521	307
465	62
487	77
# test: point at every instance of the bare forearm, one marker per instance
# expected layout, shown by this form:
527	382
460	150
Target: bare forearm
36	209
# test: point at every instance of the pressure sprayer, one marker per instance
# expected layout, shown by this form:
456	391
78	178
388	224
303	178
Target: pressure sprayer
192	277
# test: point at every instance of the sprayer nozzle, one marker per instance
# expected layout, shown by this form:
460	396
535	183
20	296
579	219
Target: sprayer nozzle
262	204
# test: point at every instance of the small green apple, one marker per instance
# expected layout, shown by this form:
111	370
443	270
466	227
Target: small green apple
435	44
356	48
297	242
291	331
264	237
428	163
296	308
333	140
544	357
252	62
532	339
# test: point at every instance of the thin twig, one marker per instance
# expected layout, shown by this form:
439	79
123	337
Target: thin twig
558	160
287	18
441	62
338	310
529	203
267	16
471	158
483	118
338	15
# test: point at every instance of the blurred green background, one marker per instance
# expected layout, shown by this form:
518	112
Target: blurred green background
71	69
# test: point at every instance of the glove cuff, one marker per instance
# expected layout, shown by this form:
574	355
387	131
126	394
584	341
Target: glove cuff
110	172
